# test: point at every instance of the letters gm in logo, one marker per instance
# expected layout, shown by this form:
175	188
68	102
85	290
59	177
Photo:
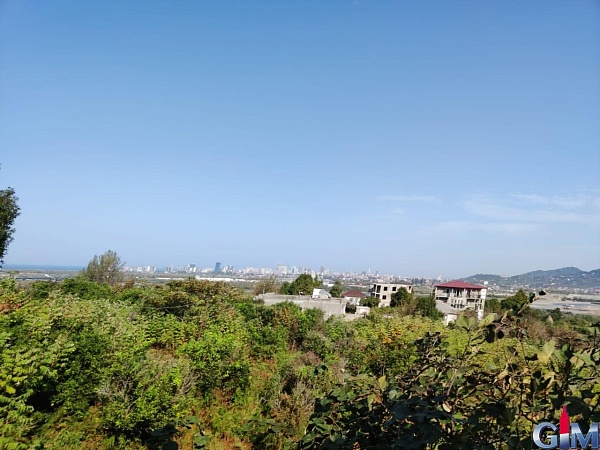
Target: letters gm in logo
569	435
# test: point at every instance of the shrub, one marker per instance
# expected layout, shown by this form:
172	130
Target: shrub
219	359
371	302
145	391
86	289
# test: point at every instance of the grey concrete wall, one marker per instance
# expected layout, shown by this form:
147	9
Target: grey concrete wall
332	306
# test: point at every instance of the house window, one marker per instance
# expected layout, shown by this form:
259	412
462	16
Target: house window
384	297
378	288
394	288
385	288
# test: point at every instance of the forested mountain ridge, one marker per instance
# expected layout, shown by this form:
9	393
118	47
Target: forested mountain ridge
564	278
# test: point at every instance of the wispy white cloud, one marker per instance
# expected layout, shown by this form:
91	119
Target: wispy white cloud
508	228
533	208
410	198
518	214
561	202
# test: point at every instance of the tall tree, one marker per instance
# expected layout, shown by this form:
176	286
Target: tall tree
9	210
337	289
265	285
303	285
492	305
426	307
401	297
105	268
515	302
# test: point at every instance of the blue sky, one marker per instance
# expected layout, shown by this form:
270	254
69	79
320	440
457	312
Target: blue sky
409	137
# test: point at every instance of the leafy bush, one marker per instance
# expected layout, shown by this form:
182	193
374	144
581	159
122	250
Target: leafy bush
85	289
447	401
426	307
145	391
219	359
318	343
371	302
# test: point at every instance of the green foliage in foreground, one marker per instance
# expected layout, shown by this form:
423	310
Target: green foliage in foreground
199	365
458	402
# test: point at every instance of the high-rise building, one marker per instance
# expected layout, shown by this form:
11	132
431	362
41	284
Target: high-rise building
218	267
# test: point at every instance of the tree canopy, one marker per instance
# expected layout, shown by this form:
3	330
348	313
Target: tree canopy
401	297
515	302
426	307
337	289
303	285
265	285
371	302
9	211
105	268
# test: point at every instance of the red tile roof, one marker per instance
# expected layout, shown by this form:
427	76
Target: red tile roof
460	285
354	293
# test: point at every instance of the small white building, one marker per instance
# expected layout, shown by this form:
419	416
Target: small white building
450	314
320	294
354	296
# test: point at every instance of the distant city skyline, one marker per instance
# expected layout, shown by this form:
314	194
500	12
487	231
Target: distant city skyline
407	137
199	269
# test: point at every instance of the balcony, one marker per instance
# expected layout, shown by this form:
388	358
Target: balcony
459	295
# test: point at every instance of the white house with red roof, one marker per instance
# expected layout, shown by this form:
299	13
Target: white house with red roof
353	296
460	296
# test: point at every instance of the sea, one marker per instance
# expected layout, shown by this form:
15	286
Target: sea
40	267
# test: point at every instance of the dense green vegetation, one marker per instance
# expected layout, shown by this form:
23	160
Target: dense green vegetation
196	364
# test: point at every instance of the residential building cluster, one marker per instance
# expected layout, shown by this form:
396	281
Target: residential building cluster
451	297
140	269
